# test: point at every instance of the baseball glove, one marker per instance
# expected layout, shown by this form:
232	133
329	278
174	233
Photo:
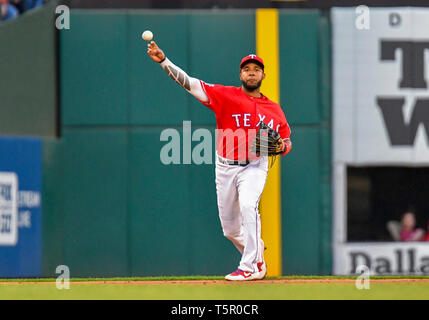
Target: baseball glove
267	141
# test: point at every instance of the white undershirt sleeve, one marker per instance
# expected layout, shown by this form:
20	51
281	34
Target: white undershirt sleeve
192	85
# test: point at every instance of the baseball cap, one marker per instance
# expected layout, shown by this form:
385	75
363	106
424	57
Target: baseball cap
252	58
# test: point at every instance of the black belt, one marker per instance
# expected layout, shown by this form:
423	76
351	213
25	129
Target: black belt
238	163
234	162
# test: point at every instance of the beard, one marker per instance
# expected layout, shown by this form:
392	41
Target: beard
251	87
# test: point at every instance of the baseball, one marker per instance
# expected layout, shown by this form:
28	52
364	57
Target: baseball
147	35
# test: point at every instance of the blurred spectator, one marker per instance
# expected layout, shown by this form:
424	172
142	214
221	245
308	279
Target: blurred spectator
25	5
394	228
7	11
10	9
408	230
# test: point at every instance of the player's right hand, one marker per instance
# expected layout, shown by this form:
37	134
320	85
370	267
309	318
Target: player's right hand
155	52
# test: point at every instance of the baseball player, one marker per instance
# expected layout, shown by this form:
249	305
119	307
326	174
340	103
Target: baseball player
240	174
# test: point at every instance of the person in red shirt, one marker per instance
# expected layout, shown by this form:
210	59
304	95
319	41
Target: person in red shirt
408	228
240	173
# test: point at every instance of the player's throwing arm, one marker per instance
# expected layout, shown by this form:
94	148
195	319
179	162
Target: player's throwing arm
192	85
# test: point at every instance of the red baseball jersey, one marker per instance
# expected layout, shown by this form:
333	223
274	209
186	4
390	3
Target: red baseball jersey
238	116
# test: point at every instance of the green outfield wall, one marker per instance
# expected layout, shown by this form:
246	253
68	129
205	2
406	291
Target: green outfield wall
28	78
122	211
111	208
306	171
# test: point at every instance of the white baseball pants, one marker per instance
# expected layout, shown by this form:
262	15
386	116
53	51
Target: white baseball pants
239	190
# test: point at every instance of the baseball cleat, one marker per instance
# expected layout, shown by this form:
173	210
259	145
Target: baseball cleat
240	275
262	268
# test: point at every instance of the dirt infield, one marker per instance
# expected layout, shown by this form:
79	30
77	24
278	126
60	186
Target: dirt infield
217	282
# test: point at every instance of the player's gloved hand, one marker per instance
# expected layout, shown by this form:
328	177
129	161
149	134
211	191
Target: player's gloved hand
280	146
267	141
155	52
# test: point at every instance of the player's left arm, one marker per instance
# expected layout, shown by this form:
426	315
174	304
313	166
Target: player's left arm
285	145
285	142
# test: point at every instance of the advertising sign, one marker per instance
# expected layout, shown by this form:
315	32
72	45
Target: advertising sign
20	207
380	118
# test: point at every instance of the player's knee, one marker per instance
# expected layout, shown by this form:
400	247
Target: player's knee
248	209
250	215
231	234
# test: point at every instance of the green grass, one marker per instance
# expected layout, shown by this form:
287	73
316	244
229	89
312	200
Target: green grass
164	278
197	277
228	291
